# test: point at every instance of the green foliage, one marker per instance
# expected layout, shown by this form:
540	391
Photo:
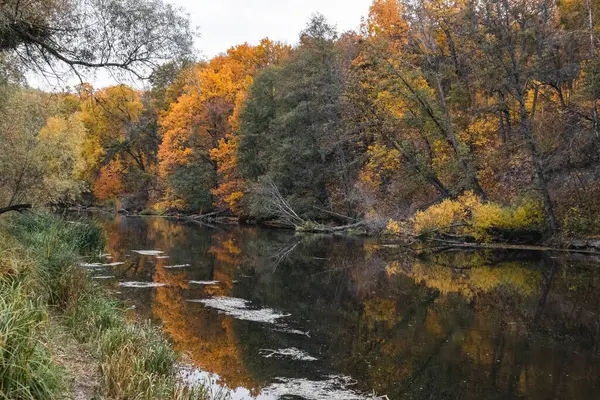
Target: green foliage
292	127
40	151
56	247
192	183
577	222
308	226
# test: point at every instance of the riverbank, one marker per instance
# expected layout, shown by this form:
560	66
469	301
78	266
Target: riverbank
402	232
62	336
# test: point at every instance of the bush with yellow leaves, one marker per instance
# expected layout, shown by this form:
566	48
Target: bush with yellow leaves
469	215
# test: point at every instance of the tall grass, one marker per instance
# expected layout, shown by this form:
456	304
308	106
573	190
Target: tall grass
40	271
27	370
56	246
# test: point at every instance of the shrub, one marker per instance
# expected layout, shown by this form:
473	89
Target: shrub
575	221
148	211
468	215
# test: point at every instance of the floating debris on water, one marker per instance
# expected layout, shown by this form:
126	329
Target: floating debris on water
292	353
238	308
141	284
204	282
293	331
177	266
148	252
100	265
103	277
162	257
334	387
92	265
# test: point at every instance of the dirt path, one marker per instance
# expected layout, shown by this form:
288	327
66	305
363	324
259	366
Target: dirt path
77	359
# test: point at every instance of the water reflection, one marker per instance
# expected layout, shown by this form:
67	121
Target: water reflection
274	314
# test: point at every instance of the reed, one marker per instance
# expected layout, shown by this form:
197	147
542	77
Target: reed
39	272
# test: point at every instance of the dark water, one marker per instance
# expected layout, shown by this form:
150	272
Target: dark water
274	315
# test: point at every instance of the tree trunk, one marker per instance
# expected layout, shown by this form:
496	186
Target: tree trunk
593	54
538	169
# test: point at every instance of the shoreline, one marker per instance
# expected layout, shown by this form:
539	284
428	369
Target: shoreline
86	345
589	245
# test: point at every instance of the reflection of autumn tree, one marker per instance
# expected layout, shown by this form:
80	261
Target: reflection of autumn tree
210	339
227	259
480	332
469	274
452	326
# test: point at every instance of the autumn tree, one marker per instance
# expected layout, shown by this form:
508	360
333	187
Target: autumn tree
40	149
122	142
198	128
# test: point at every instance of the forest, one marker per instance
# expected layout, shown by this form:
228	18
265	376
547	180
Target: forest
473	118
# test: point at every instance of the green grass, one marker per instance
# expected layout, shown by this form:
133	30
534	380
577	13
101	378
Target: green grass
27	370
39	257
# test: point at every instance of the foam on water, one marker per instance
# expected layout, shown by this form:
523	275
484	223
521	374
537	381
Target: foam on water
92	265
204	282
285	329
176	266
238	308
334	387
141	284
291	353
148	252
100	265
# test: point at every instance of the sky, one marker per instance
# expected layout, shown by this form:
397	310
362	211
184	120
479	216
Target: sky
225	23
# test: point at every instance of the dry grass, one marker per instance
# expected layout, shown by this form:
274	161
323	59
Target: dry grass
92	347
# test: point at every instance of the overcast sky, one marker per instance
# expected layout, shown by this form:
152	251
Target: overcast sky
225	23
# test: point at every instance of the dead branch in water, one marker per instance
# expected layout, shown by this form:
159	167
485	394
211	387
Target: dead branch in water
498	246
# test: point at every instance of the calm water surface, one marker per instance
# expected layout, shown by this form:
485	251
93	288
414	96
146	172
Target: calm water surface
267	314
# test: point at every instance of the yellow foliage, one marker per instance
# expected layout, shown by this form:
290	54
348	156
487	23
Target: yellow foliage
481	133
382	165
440	216
393	227
469	215
386	21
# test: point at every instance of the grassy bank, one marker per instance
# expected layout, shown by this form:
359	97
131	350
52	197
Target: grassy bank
41	285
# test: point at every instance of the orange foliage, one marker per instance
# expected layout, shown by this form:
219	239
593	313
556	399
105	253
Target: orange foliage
198	128
386	20
107	115
108	185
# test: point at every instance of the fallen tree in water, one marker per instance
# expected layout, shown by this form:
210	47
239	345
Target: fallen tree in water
283	214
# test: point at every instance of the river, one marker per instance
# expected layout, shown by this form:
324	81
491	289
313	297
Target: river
269	314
